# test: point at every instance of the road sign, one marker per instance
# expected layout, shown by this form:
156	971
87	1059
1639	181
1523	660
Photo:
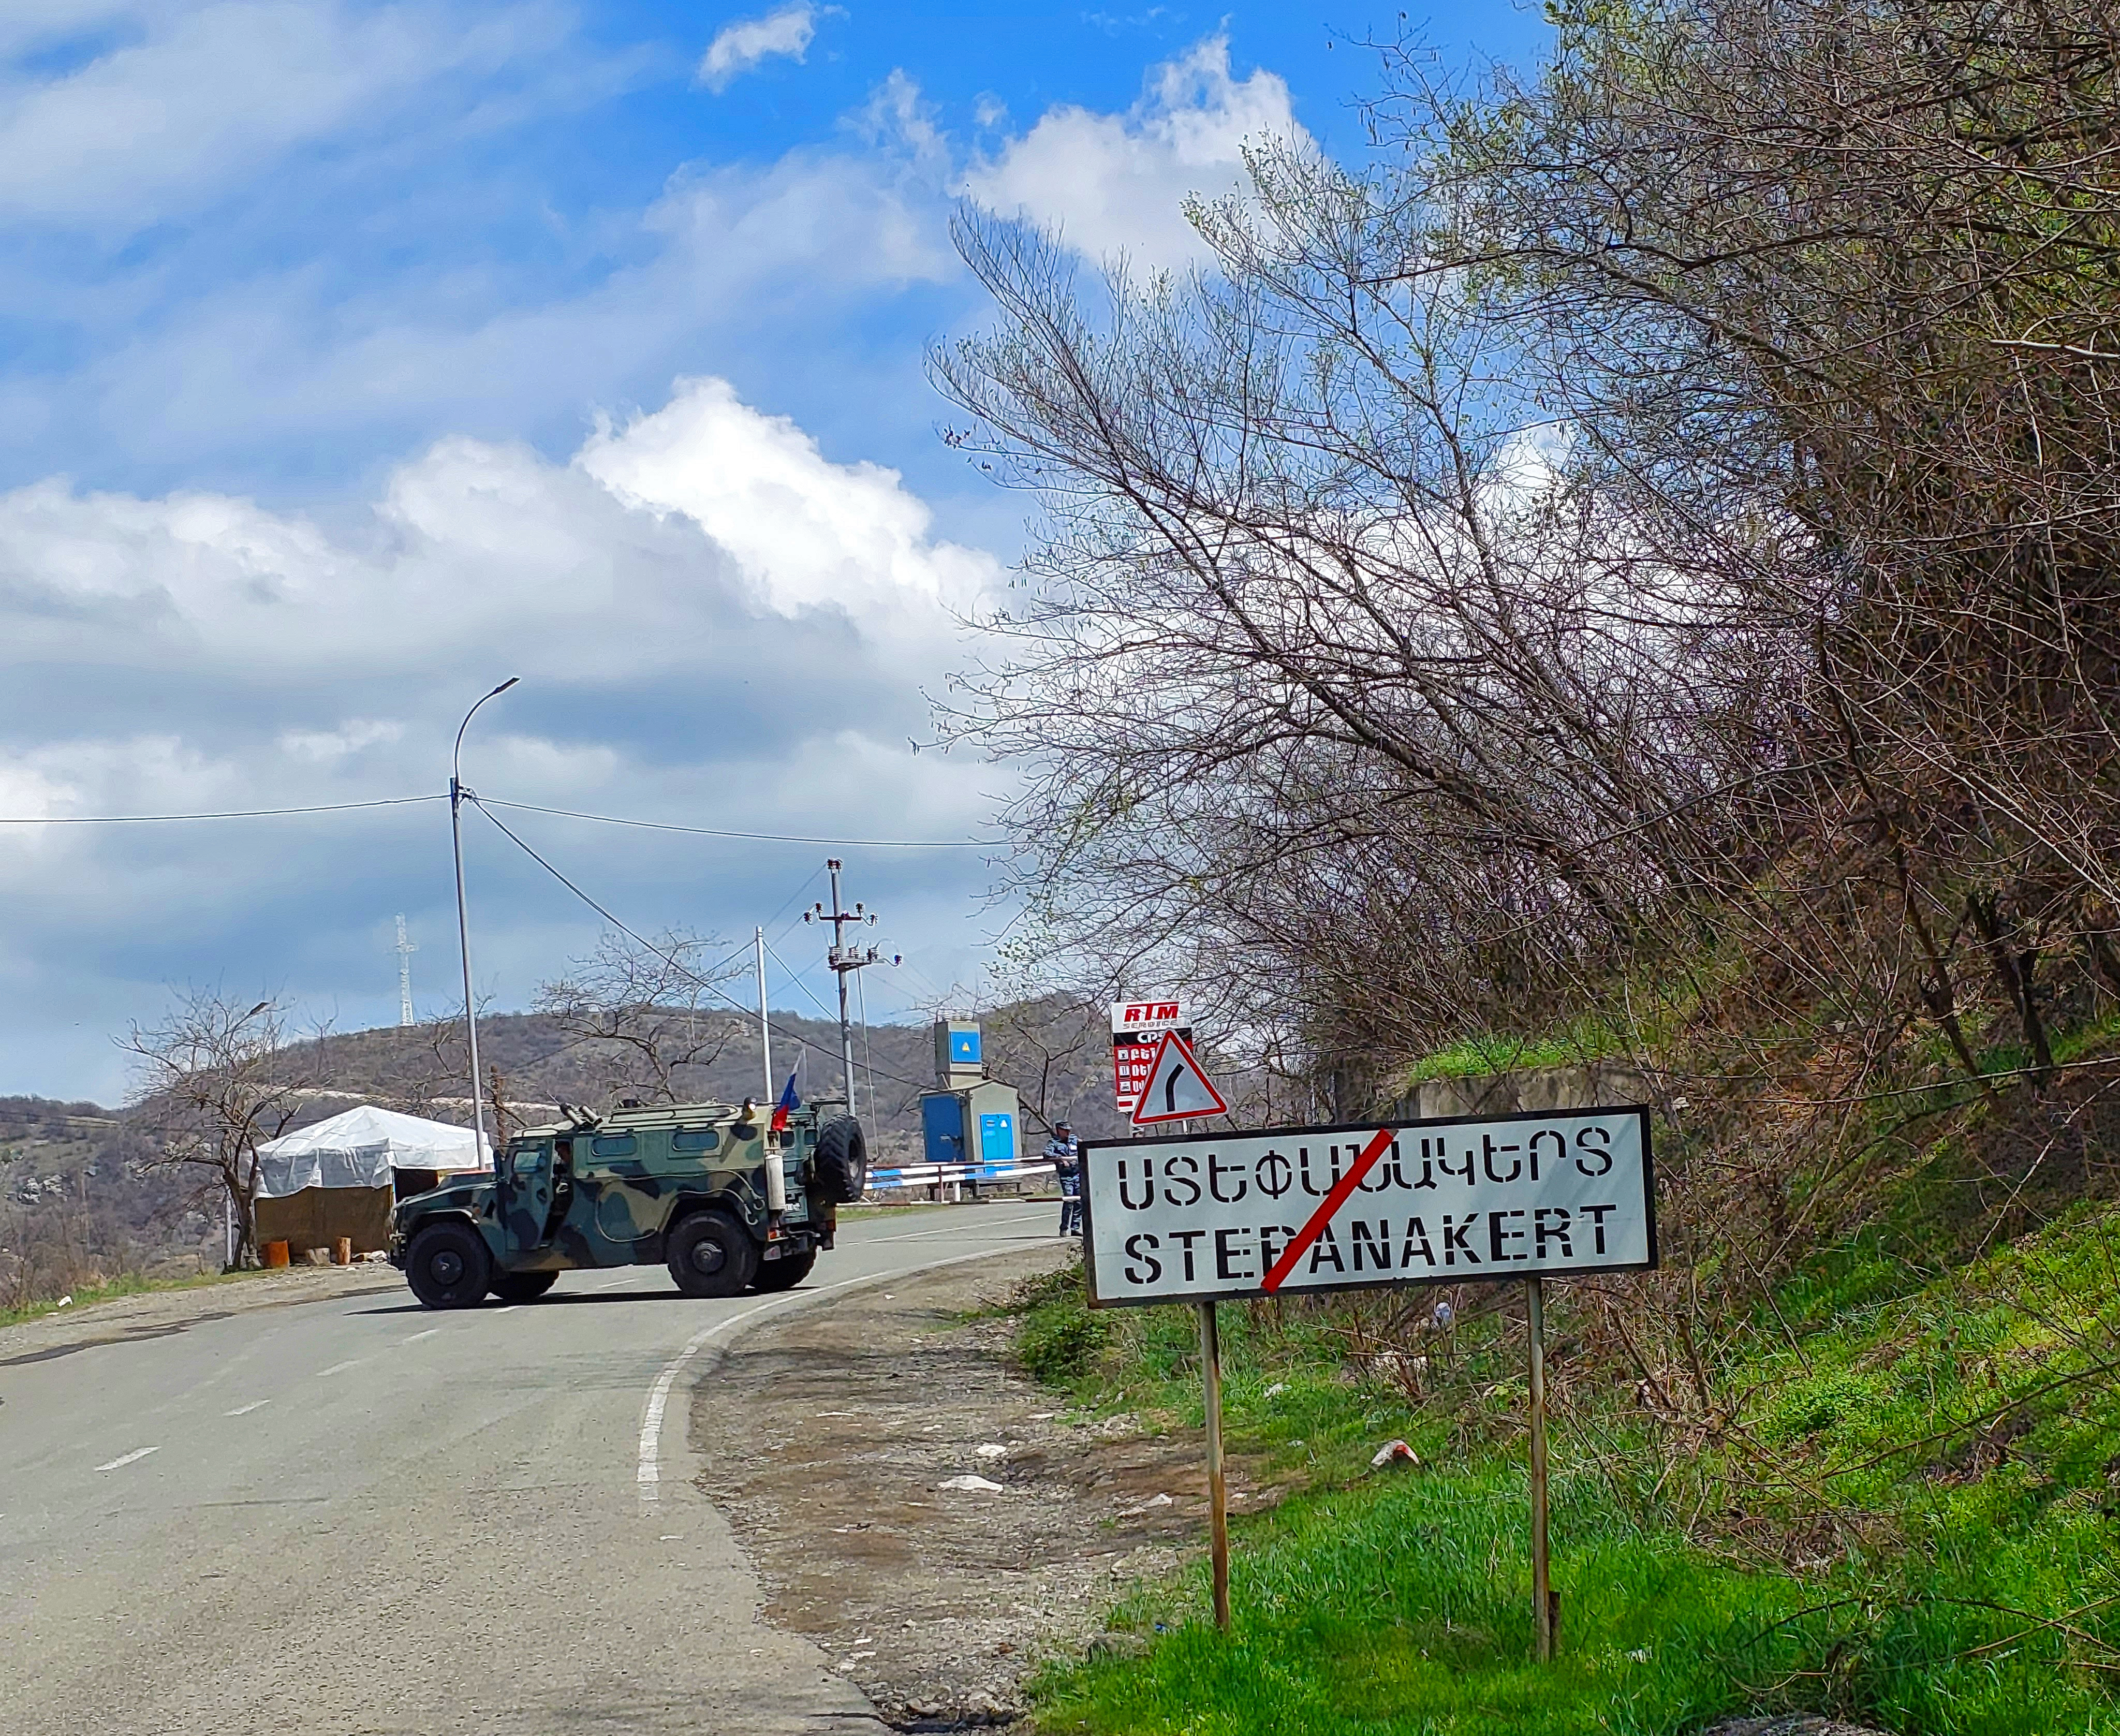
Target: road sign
1279	1210
1177	1088
1137	1025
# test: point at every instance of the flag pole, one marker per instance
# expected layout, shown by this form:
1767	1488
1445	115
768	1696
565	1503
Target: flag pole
765	1029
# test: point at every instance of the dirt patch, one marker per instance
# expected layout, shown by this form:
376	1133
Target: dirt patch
829	1436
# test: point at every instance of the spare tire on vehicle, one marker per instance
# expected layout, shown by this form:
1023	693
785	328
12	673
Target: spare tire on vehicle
839	1172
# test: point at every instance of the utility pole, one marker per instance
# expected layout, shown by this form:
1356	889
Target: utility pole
843	958
405	950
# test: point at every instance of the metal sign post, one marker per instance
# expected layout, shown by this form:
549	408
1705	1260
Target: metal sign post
1203	1218
1542	1595
1218	1487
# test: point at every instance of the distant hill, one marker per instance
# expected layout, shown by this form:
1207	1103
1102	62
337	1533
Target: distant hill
1055	1052
76	1207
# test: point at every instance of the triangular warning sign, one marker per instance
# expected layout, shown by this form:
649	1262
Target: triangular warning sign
1177	1088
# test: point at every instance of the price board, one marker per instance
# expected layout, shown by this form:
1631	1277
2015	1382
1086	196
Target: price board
1138	1029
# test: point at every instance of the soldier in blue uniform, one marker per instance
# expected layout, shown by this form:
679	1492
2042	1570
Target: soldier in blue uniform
1065	1157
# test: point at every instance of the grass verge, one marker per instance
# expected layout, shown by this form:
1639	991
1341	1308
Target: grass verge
1907	1519
88	1296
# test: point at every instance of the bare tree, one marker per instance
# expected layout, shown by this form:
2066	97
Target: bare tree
649	1018
212	1082
1632	567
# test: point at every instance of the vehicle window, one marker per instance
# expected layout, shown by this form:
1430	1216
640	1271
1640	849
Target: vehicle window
695	1139
613	1145
529	1159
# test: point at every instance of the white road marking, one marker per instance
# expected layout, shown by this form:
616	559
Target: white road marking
510	1309
338	1368
958	1229
244	1410
648	1475
127	1458
417	1336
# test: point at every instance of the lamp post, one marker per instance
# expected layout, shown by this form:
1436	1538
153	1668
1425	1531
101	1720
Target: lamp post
463	921
229	1189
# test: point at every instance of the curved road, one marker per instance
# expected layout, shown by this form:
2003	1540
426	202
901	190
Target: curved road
353	1516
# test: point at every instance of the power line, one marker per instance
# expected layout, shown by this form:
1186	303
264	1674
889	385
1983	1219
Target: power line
795	977
241	813
868	1054
641	940
709	832
532	808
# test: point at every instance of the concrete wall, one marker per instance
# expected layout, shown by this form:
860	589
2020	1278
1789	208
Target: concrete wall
1588	1084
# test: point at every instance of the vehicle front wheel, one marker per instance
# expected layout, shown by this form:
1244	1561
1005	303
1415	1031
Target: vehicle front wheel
523	1286
786	1273
448	1266
711	1254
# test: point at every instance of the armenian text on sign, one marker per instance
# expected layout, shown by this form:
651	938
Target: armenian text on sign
1287	1209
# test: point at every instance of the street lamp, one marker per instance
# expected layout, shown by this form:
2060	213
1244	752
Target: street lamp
464	922
228	1188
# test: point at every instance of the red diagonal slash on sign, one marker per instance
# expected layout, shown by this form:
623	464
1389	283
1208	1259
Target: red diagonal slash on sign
1323	1215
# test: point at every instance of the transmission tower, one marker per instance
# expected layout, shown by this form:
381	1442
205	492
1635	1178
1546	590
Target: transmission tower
405	950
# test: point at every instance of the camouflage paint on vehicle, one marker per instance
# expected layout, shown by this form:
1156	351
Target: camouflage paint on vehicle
603	1192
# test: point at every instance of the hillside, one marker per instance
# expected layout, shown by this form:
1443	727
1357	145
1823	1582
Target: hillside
80	1204
1053	1051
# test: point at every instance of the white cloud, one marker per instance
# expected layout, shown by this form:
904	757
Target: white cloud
1118	183
181	101
703	512
738	47
765	257
753	484
715	623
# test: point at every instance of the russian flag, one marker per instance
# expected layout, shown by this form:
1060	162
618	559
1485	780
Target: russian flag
789	1102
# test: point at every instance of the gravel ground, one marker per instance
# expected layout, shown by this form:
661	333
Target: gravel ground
829	1436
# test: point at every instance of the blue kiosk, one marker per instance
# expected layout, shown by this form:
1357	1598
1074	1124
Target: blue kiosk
968	1120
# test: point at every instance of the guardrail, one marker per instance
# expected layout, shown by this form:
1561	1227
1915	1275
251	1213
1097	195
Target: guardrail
945	1174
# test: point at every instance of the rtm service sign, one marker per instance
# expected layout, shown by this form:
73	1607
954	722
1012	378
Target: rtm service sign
1246	1214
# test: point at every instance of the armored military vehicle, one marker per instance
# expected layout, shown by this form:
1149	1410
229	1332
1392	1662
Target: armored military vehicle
710	1190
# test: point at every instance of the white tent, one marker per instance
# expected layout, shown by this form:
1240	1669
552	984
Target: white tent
359	1148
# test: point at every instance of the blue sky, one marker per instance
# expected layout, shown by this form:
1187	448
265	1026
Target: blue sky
354	356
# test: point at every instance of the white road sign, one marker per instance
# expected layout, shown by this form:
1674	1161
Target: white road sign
1177	1088
1286	1209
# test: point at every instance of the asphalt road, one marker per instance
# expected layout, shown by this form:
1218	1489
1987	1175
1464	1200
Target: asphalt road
354	1515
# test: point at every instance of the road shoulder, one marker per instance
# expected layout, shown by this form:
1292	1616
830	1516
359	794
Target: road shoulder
827	1438
153	1314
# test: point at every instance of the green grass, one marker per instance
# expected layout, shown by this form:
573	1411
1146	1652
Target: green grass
1581	1040
89	1295
1941	1455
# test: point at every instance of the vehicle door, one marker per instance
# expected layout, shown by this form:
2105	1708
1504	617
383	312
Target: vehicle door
526	1196
617	1209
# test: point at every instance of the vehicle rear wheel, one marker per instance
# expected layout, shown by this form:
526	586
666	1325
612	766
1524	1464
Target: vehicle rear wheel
711	1254
523	1286
448	1266
785	1273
